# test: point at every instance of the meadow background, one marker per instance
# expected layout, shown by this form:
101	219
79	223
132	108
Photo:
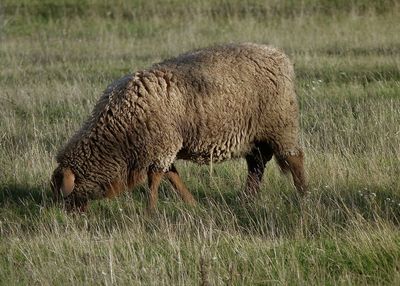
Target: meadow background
57	56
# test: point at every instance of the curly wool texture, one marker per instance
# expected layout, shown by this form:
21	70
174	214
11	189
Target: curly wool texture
208	105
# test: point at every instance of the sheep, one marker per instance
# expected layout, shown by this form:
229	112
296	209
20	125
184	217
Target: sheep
208	105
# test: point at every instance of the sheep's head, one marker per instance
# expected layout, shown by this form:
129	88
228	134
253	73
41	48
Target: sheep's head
64	185
74	190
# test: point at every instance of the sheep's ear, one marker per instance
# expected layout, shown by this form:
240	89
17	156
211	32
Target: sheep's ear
68	182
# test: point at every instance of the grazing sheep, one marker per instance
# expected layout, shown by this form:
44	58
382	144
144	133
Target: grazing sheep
210	105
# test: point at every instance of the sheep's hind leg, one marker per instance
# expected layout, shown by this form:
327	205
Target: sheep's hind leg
256	162
295	164
154	178
176	181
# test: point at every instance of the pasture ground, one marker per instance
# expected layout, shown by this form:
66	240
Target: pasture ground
56	57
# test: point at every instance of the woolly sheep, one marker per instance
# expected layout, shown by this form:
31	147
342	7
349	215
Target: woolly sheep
209	105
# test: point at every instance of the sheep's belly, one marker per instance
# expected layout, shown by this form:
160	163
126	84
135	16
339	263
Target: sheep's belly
213	153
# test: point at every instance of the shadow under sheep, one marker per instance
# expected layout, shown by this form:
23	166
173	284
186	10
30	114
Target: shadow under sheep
336	207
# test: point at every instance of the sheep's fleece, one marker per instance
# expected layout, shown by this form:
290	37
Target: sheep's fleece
205	106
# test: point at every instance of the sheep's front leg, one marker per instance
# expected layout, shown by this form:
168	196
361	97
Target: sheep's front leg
154	178
179	186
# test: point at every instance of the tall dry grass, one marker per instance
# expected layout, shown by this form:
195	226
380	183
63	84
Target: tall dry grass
56	58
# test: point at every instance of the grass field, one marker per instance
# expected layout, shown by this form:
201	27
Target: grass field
56	57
